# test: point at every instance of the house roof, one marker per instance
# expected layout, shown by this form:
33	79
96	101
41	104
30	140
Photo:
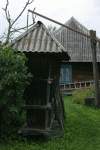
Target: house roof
77	45
39	39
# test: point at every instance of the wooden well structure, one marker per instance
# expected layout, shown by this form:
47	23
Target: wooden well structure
44	102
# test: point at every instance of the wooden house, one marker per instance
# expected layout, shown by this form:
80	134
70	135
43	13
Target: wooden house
44	103
79	68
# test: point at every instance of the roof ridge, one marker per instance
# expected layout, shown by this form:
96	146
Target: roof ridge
72	18
66	23
52	36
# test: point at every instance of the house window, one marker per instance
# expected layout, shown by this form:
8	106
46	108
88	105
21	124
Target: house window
65	73
62	74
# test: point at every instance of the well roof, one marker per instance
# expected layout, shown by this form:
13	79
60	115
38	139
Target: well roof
38	39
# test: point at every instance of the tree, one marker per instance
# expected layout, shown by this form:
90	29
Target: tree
11	29
51	28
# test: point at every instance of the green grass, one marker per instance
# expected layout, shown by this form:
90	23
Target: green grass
81	132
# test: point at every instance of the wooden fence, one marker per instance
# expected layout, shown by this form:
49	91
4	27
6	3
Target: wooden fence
68	88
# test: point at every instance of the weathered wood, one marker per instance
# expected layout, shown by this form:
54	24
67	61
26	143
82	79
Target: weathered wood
47	132
59	105
95	68
78	46
83	71
44	55
43	99
39	106
62	103
70	87
48	95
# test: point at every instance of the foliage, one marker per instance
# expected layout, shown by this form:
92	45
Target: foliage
80	94
81	132
51	28
13	79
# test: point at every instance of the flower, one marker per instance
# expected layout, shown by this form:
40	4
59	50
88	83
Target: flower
15	72
17	81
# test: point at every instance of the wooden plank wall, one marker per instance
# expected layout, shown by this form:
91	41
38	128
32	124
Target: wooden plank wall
77	45
83	72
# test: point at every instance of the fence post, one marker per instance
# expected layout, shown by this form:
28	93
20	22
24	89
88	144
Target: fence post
95	68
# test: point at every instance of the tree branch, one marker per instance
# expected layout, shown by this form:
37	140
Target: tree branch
21	28
11	22
33	18
30	2
27	3
7	13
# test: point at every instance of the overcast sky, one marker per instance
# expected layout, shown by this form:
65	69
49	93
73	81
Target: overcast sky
87	12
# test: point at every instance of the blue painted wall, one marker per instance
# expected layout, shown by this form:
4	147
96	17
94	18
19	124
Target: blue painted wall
65	73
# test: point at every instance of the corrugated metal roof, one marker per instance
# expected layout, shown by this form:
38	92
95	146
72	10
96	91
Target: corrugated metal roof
77	45
38	39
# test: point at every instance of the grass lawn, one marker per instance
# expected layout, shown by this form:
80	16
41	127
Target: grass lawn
81	132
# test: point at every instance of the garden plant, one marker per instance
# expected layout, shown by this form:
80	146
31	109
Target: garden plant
14	77
80	94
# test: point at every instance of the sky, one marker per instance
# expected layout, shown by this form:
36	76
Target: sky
87	12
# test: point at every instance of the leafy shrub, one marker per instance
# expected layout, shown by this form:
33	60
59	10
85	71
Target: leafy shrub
80	94
13	80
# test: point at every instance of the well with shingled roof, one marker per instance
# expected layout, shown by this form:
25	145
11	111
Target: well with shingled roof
44	104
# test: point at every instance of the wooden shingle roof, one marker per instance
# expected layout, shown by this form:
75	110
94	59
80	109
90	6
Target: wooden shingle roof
77	45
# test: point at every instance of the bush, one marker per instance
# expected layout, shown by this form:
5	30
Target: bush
13	80
80	94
